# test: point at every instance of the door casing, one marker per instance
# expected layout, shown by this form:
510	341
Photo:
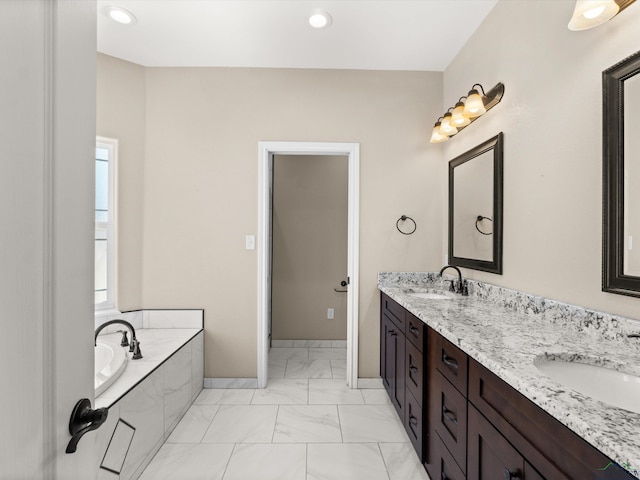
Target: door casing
266	151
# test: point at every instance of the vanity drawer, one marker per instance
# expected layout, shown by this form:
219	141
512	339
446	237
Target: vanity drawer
448	410
394	311
444	466
414	371
413	423
415	330
450	361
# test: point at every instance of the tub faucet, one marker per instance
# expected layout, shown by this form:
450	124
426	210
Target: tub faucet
460	286
135	344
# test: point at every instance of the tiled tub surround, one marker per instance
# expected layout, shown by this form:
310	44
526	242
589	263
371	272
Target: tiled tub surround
506	330
148	400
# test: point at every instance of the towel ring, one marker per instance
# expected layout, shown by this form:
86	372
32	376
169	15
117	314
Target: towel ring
404	218
479	219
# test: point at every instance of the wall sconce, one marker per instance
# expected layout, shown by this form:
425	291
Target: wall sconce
474	106
591	13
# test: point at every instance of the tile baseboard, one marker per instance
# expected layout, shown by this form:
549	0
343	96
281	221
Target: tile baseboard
365	383
230	383
309	343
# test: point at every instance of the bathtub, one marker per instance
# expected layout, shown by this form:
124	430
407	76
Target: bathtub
110	362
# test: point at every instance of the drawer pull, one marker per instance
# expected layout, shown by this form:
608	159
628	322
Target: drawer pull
508	475
413	330
413	368
449	415
449	361
413	420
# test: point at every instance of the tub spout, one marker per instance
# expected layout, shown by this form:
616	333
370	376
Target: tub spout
134	345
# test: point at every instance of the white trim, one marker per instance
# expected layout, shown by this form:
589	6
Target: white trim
111	144
266	150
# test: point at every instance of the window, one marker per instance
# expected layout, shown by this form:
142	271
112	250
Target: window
105	218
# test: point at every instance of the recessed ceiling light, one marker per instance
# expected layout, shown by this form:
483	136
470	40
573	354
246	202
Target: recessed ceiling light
120	15
320	19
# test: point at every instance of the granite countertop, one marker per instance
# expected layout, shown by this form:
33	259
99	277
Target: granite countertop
156	345
507	341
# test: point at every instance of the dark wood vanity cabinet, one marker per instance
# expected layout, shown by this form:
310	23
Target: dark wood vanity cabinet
464	421
402	366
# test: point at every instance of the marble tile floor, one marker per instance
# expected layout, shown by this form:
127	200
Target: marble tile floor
306	362
295	429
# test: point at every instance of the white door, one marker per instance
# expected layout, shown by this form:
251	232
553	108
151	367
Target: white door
47	141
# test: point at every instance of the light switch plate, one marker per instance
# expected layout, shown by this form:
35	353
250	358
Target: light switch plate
250	242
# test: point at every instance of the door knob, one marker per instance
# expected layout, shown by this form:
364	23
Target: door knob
84	419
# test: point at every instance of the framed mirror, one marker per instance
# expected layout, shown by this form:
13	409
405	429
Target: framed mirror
621	177
475	207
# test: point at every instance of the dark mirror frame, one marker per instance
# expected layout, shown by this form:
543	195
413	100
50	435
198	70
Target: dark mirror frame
497	145
613	278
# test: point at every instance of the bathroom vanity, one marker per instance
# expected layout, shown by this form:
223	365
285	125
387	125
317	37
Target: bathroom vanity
461	373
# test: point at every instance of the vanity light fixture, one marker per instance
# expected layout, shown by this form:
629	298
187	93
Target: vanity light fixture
473	107
320	19
120	15
591	13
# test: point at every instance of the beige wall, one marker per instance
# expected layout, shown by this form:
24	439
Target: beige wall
201	176
120	105
309	247
551	115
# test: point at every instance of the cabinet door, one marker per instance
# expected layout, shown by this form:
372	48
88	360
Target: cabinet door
448	417
491	457
413	423
394	371
443	466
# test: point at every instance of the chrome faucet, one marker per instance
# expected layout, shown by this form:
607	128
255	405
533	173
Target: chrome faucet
135	344
460	286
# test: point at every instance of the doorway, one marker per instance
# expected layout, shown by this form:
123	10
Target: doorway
309	266
267	152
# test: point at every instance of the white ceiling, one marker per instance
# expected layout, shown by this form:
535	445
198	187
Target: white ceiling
365	34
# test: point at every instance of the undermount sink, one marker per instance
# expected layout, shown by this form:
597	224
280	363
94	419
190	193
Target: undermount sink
613	387
430	296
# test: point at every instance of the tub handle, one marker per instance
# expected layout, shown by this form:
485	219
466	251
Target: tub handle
84	419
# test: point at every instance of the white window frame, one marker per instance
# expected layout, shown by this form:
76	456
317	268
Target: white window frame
109	306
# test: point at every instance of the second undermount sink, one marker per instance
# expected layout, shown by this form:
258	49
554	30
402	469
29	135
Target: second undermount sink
431	296
611	386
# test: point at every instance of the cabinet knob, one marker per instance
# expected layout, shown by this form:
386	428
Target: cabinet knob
509	475
413	330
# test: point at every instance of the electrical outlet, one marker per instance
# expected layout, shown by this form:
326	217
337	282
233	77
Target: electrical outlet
330	313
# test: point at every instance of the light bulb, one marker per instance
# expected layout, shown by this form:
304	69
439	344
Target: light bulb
436	136
594	12
445	126
120	15
458	118
320	20
474	106
591	13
